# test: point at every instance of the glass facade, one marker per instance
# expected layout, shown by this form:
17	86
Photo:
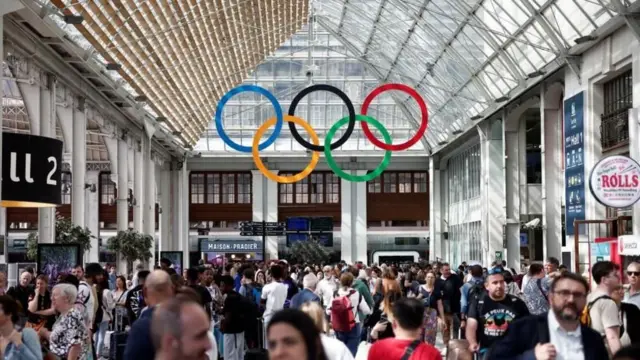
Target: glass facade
465	243
463	172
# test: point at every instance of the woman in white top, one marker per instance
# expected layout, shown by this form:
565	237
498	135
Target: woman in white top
334	349
351	338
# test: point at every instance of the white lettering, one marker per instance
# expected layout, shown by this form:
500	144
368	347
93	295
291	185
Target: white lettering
50	181
13	168
27	168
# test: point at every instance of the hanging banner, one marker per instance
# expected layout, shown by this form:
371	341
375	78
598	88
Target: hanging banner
615	181
31	171
574	161
230	246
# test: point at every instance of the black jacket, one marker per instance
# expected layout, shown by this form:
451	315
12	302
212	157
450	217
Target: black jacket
524	334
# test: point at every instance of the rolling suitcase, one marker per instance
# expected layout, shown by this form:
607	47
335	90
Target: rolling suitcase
117	339
258	352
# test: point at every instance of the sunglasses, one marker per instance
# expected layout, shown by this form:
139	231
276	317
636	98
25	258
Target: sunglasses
634	273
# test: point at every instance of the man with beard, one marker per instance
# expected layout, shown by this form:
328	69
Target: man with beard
180	330
557	334
491	314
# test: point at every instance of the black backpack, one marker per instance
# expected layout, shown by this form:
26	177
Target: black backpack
476	292
632	314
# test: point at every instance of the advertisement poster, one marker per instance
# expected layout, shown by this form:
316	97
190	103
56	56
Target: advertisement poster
574	183
615	181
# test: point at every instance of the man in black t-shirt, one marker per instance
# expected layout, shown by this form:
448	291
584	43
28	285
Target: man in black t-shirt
193	277
490	315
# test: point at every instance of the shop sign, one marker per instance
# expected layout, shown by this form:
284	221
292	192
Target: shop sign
31	171
615	181
230	246
629	245
574	174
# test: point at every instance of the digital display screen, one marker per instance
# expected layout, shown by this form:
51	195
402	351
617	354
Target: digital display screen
323	223
297	224
293	238
325	239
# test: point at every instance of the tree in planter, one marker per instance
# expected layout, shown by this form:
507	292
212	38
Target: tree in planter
66	233
131	246
312	252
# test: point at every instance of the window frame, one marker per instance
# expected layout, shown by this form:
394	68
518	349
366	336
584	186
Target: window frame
214	188
304	189
379	184
110	184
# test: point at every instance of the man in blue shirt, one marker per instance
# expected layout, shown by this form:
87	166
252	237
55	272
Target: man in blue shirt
308	294
158	289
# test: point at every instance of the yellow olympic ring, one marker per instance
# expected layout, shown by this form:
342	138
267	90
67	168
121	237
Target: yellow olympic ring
315	157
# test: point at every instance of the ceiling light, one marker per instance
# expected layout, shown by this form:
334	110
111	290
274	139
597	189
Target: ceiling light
476	117
456	132
536	74
73	19
502	99
113	66
585	39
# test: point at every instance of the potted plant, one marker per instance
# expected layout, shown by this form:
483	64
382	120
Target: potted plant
131	245
312	252
66	233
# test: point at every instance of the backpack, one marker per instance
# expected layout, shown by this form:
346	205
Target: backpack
585	317
342	317
253	293
476	292
631	314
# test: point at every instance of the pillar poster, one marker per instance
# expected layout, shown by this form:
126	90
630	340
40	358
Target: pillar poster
574	184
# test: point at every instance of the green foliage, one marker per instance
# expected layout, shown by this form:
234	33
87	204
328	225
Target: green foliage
132	246
311	252
66	233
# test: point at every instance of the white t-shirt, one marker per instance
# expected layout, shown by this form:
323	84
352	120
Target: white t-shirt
275	293
325	289
335	349
84	302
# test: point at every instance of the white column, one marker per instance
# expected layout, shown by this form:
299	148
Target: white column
513	151
353	228
92	217
634	130
493	196
435	209
138	180
166	244
78	162
184	212
150	199
634	153
265	207
123	188
552	174
46	216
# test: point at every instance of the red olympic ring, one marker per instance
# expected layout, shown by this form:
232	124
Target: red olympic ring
423	109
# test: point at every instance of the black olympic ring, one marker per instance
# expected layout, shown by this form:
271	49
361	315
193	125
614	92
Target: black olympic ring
333	90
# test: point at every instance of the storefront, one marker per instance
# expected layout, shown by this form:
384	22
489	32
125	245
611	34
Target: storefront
224	251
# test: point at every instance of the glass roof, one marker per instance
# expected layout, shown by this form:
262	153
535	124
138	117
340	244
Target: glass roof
463	56
308	57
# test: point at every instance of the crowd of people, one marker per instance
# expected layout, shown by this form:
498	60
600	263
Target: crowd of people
323	312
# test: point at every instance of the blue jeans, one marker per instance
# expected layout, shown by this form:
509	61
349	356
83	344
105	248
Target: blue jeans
350	338
99	336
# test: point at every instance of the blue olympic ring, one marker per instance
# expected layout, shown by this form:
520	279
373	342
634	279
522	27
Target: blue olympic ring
253	88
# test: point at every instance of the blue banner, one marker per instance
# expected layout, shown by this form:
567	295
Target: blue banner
574	184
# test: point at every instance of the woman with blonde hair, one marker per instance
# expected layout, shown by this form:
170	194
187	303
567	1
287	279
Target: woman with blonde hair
334	349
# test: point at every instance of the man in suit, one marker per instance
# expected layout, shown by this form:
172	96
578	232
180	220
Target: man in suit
556	335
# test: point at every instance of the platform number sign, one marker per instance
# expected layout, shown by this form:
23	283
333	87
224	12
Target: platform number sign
31	170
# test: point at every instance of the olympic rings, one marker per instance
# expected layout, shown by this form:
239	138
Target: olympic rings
423	110
315	146
240	89
341	173
341	95
285	179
